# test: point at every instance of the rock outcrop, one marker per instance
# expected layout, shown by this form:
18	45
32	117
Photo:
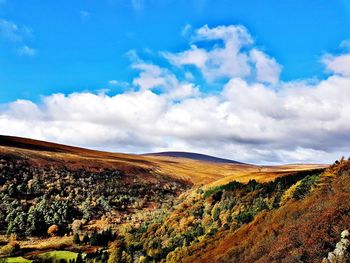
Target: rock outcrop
341	252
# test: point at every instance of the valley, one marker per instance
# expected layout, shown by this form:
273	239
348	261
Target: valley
65	204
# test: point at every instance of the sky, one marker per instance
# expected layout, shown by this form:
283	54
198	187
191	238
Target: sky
264	82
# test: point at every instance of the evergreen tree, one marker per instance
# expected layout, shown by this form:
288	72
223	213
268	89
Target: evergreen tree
76	238
79	258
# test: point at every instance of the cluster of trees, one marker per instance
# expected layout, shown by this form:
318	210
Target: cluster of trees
36	218
96	238
201	215
34	197
304	187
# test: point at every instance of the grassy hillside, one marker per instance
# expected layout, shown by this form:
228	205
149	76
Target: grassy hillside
295	218
129	208
203	226
305	227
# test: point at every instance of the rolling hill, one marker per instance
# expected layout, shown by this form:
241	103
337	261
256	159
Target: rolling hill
194	156
188	170
162	207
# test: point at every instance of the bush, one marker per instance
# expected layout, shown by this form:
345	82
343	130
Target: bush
216	213
86	239
101	239
10	248
304	187
76	226
53	230
76	238
244	217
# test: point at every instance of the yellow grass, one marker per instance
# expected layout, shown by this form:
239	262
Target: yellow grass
193	171
52	243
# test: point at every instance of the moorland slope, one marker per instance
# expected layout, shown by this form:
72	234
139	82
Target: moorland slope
156	208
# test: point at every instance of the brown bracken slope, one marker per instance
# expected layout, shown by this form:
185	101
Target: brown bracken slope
193	172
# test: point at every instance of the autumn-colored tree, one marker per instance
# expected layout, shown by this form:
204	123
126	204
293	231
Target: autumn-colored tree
53	230
10	248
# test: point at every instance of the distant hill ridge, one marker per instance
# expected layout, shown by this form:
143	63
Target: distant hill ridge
36	145
194	156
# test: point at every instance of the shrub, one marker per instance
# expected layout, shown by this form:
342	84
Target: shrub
101	239
304	187
11	248
216	213
76	238
53	230
244	217
76	226
86	239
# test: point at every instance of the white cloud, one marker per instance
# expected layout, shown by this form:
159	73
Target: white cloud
194	56
27	51
338	64
247	122
165	109
267	69
152	76
220	61
229	57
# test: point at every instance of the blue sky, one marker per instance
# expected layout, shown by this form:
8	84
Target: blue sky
255	81
81	44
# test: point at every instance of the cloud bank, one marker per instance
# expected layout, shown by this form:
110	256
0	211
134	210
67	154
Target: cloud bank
254	117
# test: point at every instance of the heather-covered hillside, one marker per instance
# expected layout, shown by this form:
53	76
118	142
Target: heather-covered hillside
63	203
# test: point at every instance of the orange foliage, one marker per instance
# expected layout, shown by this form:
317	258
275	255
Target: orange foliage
303	230
53	230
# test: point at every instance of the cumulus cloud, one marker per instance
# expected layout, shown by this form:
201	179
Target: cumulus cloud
223	60
166	108
153	76
338	64
231	55
267	69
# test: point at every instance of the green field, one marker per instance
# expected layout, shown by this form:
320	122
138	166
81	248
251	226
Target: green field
17	260
55	255
58	255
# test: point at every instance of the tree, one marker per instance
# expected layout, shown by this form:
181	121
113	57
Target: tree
86	239
10	248
94	239
76	238
79	258
216	213
76	226
53	230
244	217
116	251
